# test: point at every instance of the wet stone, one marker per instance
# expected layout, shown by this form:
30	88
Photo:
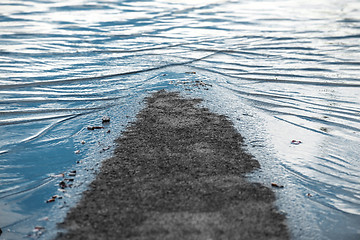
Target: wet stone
105	119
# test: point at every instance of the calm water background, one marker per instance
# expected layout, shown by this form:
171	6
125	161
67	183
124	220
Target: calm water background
280	70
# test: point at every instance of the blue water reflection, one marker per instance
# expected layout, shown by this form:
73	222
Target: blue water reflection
281	70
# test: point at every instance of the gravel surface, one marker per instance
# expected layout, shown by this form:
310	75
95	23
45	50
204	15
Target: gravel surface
178	172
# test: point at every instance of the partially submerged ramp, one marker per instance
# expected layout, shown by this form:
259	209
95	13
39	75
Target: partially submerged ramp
177	173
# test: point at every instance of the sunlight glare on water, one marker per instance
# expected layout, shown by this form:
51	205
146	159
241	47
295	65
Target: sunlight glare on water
280	70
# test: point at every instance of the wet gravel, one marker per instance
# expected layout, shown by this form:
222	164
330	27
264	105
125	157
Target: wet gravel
178	172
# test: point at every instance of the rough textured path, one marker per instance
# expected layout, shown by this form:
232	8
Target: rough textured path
177	173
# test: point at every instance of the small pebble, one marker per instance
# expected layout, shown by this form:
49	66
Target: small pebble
38	228
62	184
295	142
276	185
50	200
57	175
106	119
324	129
94	127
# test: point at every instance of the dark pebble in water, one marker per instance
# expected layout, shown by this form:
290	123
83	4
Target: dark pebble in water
62	184
324	129
276	185
94	127
105	119
50	200
295	142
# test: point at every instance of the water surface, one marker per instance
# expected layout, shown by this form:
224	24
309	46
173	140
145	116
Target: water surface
280	70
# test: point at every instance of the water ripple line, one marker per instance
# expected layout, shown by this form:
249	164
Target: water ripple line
74	80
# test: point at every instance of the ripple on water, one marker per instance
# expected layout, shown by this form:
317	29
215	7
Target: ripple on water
280	70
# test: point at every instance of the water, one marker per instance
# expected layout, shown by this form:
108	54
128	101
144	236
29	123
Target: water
281	71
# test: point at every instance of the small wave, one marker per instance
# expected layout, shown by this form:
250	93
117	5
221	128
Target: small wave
349	20
34	119
315	69
286	81
350	63
47	110
74	80
342	37
25	188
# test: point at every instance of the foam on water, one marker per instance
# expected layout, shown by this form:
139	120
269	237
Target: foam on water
281	70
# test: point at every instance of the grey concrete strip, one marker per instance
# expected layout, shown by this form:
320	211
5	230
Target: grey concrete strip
177	173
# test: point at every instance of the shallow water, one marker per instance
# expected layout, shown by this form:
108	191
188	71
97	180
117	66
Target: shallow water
281	71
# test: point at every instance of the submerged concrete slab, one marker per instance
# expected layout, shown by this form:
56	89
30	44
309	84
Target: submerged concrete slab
177	173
